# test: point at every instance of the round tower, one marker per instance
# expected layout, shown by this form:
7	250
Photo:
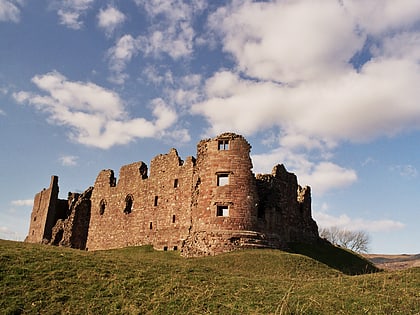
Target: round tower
225	196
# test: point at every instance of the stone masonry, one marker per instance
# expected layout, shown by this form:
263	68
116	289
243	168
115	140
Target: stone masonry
200	206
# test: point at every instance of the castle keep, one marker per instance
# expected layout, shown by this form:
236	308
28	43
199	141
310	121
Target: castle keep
201	206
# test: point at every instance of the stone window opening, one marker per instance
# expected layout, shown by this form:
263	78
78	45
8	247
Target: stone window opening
151	225
223	145
222	179
128	204
175	247
34	218
165	248
222	211
176	183
155	203
173	218
102	206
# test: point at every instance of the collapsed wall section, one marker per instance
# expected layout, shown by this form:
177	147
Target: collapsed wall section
284	207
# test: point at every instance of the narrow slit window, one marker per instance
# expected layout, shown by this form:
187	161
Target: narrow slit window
102	206
222	179
155	203
173	218
128	204
222	211
223	145
151	225
176	183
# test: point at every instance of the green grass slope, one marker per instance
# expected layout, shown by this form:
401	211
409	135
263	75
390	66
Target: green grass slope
37	279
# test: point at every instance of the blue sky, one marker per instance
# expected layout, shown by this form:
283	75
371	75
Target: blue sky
329	88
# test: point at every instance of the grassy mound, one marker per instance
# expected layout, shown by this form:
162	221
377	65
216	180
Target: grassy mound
49	280
335	257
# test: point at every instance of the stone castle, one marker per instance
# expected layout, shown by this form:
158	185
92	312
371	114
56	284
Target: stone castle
202	206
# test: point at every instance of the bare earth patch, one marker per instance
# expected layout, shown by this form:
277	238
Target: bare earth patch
394	262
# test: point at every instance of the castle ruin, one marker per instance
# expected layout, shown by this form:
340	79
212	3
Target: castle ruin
201	206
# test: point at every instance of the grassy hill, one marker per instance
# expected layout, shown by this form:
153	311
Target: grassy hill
50	280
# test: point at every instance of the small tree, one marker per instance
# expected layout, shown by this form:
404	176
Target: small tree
357	241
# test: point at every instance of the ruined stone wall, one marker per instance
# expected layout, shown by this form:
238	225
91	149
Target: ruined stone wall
43	215
142	210
202	206
285	207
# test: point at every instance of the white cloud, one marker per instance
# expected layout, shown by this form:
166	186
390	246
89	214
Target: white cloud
322	176
120	55
22	203
68	160
96	116
379	16
172	32
293	74
109	19
9	10
70	12
2	112
288	41
343	221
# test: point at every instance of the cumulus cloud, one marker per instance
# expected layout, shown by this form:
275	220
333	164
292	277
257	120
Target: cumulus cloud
71	11
22	202
321	175
68	160
294	73
172	32
95	116
343	221
120	55
109	19
9	10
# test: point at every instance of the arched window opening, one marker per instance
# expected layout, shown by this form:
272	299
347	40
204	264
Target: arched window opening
128	204
102	206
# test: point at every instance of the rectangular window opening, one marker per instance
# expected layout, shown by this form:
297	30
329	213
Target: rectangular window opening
222	179
173	218
165	248
223	145
156	201
222	211
175	247
176	184
151	225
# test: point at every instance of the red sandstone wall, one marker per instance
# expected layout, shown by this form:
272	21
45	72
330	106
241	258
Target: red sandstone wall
43	213
239	194
160	213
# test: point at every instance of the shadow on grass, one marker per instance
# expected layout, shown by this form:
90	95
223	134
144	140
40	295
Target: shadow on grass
335	257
